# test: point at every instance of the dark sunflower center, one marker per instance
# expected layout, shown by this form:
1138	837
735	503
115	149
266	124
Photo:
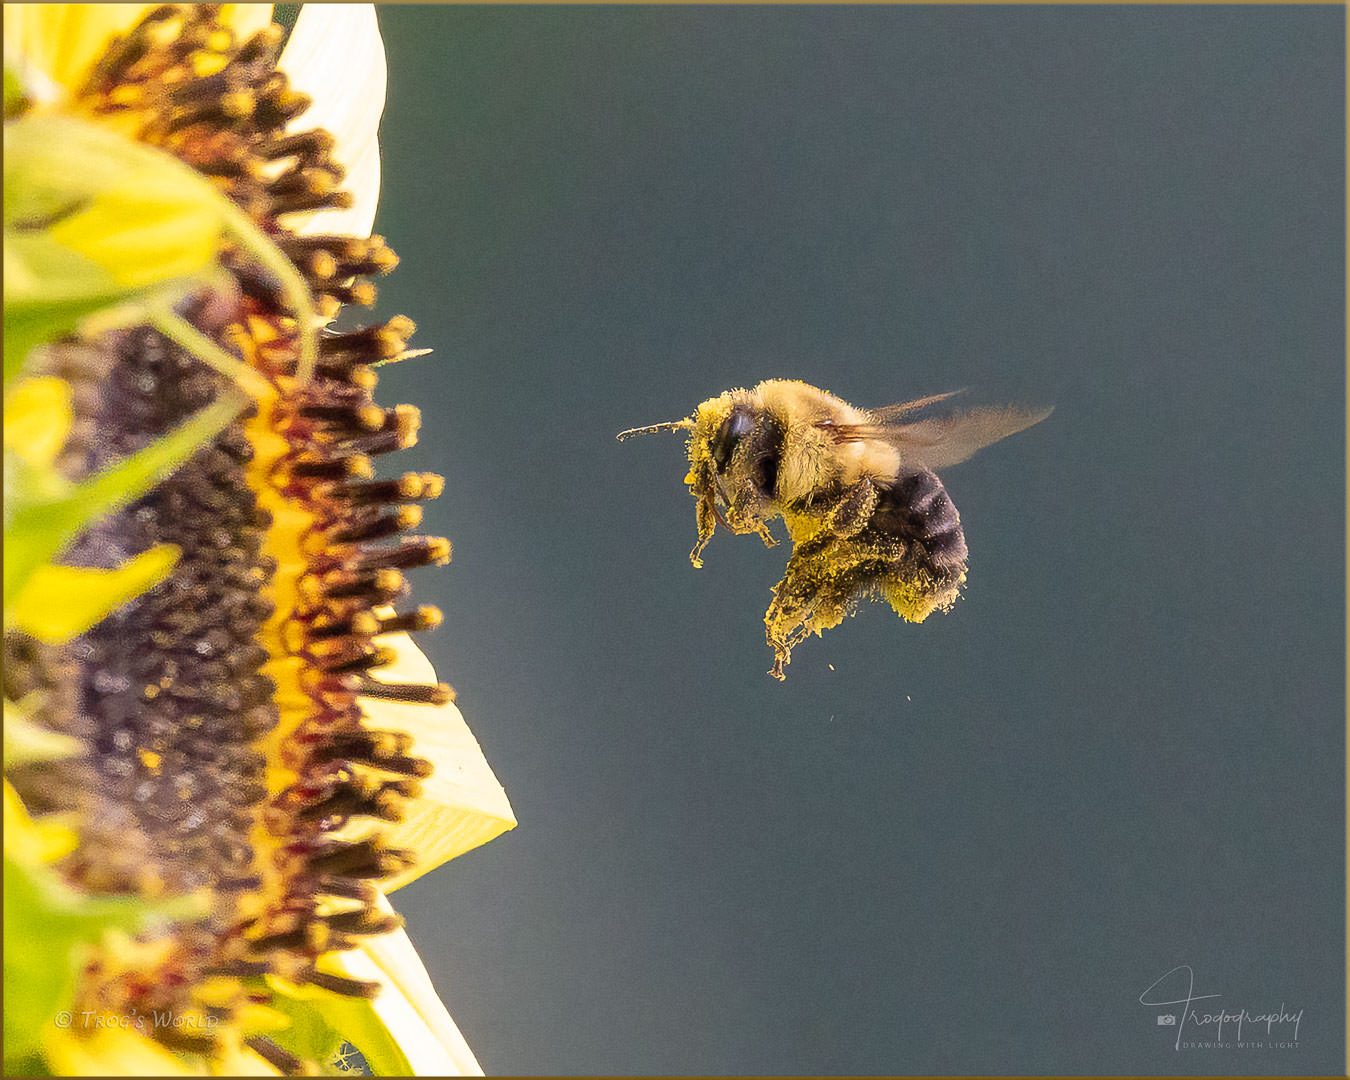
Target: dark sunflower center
195	774
170	686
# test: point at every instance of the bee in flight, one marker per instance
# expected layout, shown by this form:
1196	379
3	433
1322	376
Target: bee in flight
866	512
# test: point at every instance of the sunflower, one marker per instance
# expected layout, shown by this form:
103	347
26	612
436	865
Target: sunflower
222	748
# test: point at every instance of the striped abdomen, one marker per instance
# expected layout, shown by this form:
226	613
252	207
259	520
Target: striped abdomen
916	508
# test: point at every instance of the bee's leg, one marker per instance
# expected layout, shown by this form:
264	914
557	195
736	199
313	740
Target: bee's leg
746	514
821	586
785	621
766	536
706	517
852	510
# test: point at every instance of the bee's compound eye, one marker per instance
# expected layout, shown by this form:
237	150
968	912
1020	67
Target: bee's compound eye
733	429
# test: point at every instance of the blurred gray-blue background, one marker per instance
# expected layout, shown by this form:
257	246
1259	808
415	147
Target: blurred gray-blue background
968	846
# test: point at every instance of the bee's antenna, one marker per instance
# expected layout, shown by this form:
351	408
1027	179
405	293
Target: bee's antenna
669	425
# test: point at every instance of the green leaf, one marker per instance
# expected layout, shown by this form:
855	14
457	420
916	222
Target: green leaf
322	1021
47	927
48	290
14	95
44	275
26	1065
92	218
311	1035
136	212
26	485
36	532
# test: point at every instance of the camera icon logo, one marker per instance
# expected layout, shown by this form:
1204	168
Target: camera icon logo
1167	1020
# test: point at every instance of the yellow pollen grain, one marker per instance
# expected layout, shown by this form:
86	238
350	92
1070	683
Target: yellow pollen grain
322	265
219	41
320	183
370	417
237	104
431	617
150	759
399	326
261	331
205	64
439	547
365	623
384	259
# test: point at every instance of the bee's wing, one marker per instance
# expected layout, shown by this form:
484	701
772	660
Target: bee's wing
938	441
888	414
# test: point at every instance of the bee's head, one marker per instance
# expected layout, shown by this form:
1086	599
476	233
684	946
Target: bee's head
716	431
721	455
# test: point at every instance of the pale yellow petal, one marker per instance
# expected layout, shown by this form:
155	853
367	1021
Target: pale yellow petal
462	805
409	1004
336	55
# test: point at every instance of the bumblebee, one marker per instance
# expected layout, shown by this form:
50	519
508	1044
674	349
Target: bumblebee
866	512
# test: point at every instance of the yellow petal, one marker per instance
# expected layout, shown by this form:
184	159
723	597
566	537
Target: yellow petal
60	42
409	1005
462	805
335	55
30	841
58	603
54	45
111	1051
245	19
37	419
27	742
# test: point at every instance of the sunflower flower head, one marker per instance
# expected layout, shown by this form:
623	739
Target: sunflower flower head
239	730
